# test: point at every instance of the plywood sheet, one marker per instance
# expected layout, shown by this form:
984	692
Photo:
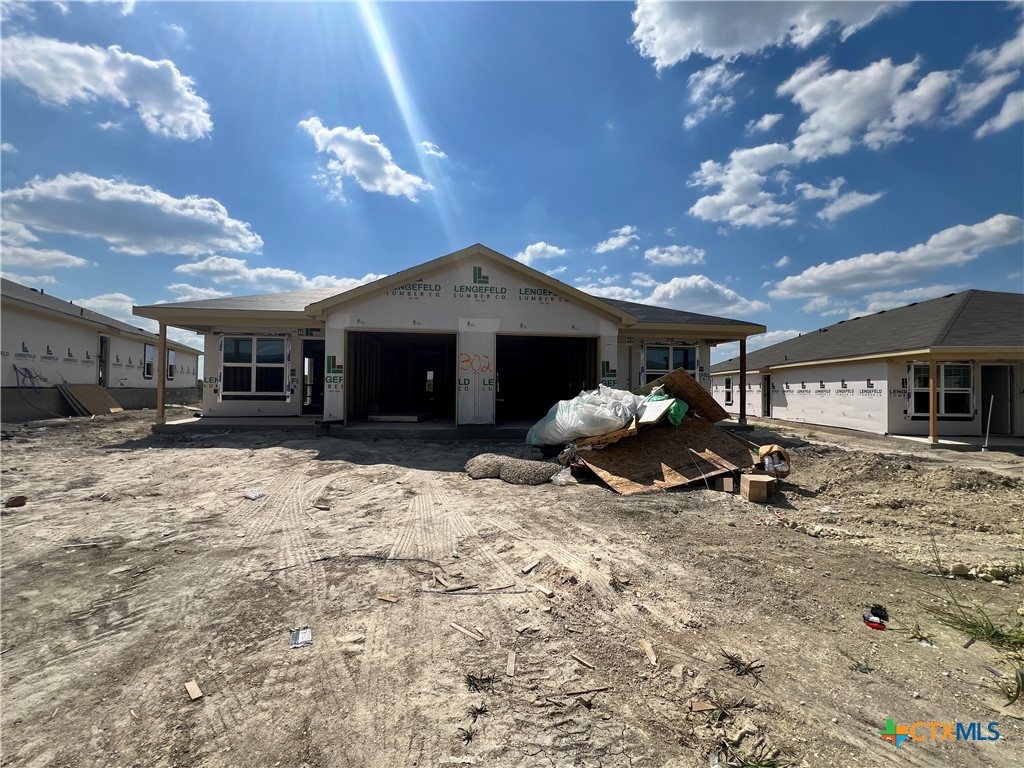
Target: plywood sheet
682	385
76	406
94	398
667	457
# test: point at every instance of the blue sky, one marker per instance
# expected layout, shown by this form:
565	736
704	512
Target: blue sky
793	164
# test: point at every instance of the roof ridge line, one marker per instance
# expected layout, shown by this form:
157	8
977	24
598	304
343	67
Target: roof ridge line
948	327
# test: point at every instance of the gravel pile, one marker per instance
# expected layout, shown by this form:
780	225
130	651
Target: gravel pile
511	470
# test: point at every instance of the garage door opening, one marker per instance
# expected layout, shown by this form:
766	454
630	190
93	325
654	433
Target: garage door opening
401	376
535	372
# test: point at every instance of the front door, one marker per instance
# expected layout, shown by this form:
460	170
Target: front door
103	362
313	376
997	399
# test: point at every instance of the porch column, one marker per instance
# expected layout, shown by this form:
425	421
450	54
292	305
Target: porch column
161	379
743	381
933	403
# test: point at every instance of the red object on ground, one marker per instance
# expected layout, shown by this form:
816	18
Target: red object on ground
873	622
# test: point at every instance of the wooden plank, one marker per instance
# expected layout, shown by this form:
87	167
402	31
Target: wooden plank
668	457
544	590
682	385
530	566
467	632
609	437
94	398
510	665
656	410
76	406
388	598
648	648
500	587
583	661
588	690
440	581
461	587
193	690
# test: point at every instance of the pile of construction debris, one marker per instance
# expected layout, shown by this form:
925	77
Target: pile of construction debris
660	436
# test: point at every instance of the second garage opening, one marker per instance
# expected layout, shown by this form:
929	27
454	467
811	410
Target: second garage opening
535	372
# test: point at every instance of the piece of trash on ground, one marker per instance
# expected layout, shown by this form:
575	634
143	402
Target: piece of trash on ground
193	689
301	637
15	501
254	494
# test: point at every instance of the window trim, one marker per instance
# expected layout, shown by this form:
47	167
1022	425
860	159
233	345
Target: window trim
148	360
254	366
941	390
728	390
650	374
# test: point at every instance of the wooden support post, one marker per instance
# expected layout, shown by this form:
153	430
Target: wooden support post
743	381
161	379
933	403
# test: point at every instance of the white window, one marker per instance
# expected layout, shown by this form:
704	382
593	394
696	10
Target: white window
253	366
659	360
953	388
170	364
728	390
148	356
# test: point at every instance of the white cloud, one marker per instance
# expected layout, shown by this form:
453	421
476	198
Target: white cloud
697	293
643	280
620	238
1011	113
110	125
60	73
950	247
611	291
119	306
537	251
186	292
429	148
847	203
363	157
971	98
132	219
556	271
672	32
237	272
1009	56
177	32
7	147
876	302
811	192
742	199
675	255
30	279
760	341
670	231
763	123
708	89
16	249
784	261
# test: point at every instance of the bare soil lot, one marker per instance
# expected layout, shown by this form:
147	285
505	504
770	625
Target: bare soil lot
138	565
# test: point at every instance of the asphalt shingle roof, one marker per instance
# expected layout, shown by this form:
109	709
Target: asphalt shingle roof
646	313
966	319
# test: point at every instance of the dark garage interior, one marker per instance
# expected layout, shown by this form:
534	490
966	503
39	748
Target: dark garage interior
535	372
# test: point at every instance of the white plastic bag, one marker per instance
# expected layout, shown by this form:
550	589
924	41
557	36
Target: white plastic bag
590	413
564	477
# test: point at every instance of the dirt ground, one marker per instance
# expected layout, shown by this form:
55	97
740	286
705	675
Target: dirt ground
137	565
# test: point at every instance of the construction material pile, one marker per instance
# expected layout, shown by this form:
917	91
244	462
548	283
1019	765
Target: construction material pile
661	436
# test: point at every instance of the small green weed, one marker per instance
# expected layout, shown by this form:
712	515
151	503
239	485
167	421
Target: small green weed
466	734
761	757
479	711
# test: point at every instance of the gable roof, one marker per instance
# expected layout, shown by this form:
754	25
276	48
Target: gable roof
648	313
475	251
20	294
970	319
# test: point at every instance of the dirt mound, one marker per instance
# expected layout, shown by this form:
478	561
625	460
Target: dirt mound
969	479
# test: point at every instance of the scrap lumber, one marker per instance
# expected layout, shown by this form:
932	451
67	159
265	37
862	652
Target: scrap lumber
544	591
467	632
582	661
387	598
681	385
530	566
587	690
92	398
510	665
599	441
648	648
76	406
668	457
193	690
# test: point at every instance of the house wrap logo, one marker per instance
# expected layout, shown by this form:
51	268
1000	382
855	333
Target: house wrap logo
922	731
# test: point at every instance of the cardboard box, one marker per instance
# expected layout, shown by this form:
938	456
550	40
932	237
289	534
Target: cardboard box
725	484
757	488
